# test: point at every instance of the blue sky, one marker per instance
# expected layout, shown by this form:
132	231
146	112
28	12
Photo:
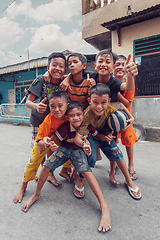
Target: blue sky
42	26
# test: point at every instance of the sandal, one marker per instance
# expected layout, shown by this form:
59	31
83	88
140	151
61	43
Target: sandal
80	190
130	190
132	175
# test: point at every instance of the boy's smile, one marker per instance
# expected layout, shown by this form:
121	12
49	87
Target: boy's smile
104	65
57	68
118	70
58	107
99	104
75	117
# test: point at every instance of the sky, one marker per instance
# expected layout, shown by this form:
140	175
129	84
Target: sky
36	28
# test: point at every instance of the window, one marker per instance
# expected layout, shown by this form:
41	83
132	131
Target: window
147	57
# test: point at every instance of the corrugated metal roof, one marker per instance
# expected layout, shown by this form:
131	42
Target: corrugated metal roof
34	63
133	18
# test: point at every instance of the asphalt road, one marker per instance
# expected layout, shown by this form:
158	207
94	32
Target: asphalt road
59	215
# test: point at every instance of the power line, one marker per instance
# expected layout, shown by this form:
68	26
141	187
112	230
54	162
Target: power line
8	6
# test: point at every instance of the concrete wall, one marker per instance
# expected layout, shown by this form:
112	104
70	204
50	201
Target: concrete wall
146	111
134	32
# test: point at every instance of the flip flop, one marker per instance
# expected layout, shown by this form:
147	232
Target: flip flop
80	190
130	190
132	175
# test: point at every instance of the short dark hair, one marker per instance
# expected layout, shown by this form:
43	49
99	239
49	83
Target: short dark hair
120	56
74	104
106	52
56	55
100	89
81	57
59	94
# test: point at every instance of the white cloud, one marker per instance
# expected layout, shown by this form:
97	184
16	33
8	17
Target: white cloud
50	38
57	10
10	32
10	58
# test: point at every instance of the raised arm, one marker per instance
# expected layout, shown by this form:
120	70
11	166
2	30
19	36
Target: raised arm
131	71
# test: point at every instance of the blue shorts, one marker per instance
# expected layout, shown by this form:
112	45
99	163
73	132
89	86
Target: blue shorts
111	151
77	157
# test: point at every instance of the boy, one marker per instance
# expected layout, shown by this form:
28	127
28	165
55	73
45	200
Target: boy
37	101
128	137
65	134
96	115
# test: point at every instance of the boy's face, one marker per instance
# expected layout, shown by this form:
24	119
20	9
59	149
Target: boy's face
57	68
75	65
104	65
118	69
58	107
99	103
75	117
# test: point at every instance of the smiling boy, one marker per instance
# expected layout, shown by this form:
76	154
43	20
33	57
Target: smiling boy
96	115
38	102
65	135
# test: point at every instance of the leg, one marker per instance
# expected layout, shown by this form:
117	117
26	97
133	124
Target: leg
79	184
99	157
51	178
31	169
133	174
105	222
19	196
66	171
112	173
42	178
122	165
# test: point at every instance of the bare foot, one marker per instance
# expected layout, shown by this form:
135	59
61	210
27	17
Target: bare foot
19	196
113	180
29	202
64	173
51	178
105	223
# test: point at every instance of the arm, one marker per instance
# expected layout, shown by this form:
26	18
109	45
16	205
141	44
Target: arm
66	82
123	100
22	100
131	71
130	117
40	107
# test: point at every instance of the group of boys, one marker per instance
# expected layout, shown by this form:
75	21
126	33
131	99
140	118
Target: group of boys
66	133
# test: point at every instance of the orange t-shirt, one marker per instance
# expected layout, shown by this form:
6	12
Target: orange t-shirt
129	95
48	127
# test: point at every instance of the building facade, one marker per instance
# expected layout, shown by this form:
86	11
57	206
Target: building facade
130	26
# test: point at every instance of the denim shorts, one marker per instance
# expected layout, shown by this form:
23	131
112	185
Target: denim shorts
77	157
111	151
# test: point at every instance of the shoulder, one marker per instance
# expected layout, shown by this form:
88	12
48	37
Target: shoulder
115	80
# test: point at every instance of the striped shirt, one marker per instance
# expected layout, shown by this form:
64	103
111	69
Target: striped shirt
79	92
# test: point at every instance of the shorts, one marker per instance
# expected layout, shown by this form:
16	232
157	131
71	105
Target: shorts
76	156
111	151
128	137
